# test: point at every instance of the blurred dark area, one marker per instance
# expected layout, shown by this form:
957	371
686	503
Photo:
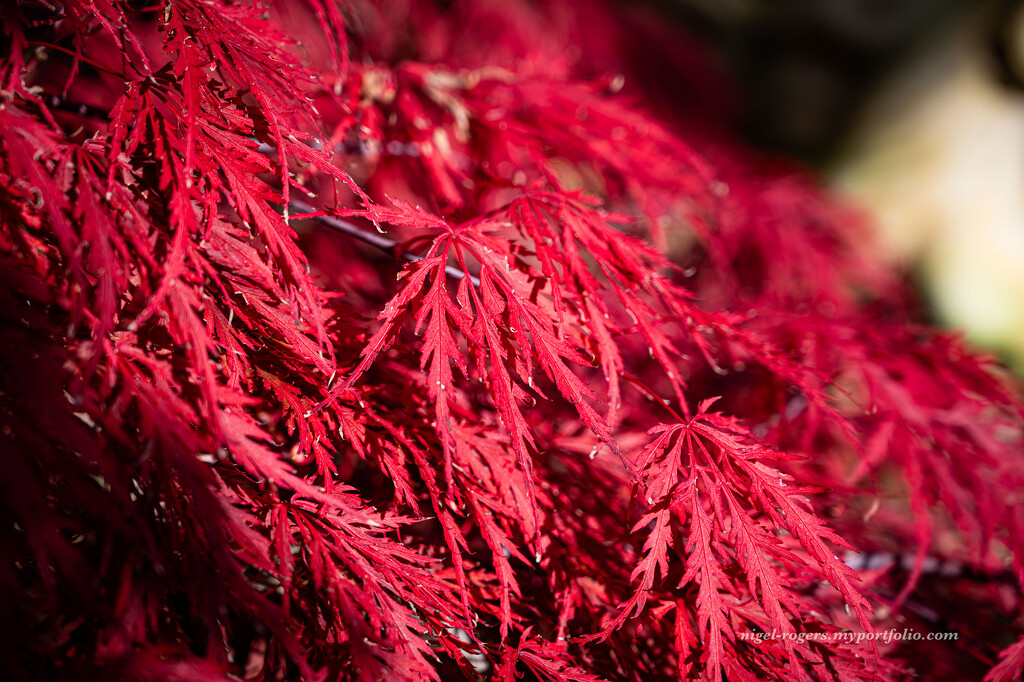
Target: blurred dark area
804	68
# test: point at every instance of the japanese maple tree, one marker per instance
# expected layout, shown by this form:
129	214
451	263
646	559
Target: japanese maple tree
415	340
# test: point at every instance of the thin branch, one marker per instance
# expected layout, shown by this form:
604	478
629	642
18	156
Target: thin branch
352	230
78	56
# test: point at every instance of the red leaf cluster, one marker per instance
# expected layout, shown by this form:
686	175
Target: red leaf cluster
355	340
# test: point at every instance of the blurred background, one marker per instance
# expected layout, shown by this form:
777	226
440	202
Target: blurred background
914	109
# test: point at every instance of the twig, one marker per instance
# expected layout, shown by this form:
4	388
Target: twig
347	228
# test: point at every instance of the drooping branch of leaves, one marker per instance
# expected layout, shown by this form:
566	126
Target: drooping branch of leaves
674	386
296	209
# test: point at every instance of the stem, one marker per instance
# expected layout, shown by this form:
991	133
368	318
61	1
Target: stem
654	396
76	55
352	230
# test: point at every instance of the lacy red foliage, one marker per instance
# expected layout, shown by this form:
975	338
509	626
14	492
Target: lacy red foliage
380	341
